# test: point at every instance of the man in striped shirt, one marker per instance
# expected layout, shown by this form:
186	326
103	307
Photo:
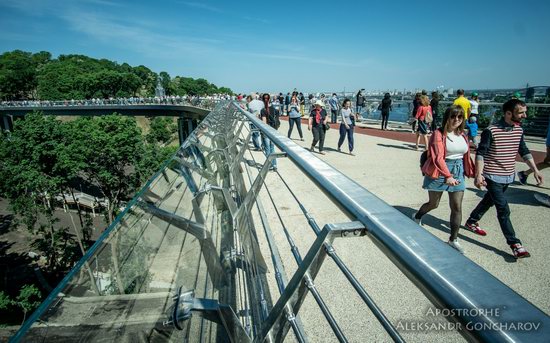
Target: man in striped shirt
495	169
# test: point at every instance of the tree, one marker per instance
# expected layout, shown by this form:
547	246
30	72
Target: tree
162	130
17	75
34	170
110	146
28	299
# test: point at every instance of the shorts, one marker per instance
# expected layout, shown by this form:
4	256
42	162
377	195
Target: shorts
456	167
422	127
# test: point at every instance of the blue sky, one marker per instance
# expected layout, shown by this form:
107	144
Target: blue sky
312	46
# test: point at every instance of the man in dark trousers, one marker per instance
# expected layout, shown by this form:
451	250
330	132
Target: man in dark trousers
270	116
495	169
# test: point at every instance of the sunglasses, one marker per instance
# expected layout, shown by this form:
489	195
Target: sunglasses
460	116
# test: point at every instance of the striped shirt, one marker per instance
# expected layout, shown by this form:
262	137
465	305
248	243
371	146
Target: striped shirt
498	148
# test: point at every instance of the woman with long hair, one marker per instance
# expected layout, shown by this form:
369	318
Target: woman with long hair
294	117
422	126
447	164
385	108
347	125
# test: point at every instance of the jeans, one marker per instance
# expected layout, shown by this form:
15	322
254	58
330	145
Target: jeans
318	136
269	148
343	132
359	109
298	122
495	196
255	137
333	116
385	117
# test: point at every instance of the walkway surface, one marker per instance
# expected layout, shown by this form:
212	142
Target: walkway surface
387	164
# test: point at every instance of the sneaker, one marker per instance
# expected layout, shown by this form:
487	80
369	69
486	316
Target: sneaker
456	245
418	221
351	153
312	149
322	152
474	227
522	178
519	251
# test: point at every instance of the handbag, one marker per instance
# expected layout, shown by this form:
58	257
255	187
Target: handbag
327	126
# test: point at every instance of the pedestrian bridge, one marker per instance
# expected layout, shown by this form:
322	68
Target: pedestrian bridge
216	247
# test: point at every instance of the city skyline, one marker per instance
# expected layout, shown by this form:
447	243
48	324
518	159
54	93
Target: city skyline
249	46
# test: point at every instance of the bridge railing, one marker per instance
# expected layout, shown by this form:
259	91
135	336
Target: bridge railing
188	259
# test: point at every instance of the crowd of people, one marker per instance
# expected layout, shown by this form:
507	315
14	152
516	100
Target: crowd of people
448	146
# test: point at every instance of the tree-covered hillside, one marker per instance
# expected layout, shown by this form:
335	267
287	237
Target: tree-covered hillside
26	75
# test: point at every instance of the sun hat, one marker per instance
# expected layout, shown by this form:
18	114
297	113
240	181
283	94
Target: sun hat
320	103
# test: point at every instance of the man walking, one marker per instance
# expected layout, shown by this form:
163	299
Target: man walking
334	108
254	107
495	169
463	102
270	116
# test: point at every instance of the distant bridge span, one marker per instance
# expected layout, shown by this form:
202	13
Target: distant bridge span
188	116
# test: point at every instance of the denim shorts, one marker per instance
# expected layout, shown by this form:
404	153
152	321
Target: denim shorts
456	167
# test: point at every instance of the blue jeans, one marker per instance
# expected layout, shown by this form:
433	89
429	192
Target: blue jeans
343	132
269	148
255	137
495	196
333	116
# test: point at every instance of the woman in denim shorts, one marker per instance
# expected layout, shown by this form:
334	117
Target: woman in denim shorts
448	162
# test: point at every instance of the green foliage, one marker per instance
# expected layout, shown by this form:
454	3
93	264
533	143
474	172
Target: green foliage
18	73
5	301
28	299
162	130
24	75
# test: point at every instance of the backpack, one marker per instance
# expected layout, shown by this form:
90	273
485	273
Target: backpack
429	117
274	120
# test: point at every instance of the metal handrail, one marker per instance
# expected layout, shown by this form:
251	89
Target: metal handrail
421	256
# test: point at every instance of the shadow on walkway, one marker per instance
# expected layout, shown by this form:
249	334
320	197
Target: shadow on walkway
403	146
442	225
515	195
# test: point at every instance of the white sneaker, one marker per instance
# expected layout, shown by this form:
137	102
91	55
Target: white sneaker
418	221
456	245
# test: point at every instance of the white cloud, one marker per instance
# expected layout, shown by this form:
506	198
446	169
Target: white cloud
201	6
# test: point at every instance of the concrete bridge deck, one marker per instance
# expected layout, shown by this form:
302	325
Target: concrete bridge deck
387	164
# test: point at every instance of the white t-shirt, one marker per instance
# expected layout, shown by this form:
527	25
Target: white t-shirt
255	106
475	106
346	115
456	146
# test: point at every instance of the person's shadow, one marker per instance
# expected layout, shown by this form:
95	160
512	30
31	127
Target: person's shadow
442	226
403	147
514	195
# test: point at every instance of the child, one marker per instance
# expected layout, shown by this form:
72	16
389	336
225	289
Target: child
471	124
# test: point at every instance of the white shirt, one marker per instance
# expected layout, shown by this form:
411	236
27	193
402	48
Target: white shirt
456	146
475	106
346	115
255	106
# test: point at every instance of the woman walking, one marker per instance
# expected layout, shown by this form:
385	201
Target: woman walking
295	117
422	126
444	170
385	108
317	121
347	125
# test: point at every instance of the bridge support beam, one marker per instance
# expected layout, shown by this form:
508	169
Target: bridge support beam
185	127
6	122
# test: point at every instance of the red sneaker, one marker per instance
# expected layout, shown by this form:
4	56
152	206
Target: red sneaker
474	227
519	251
